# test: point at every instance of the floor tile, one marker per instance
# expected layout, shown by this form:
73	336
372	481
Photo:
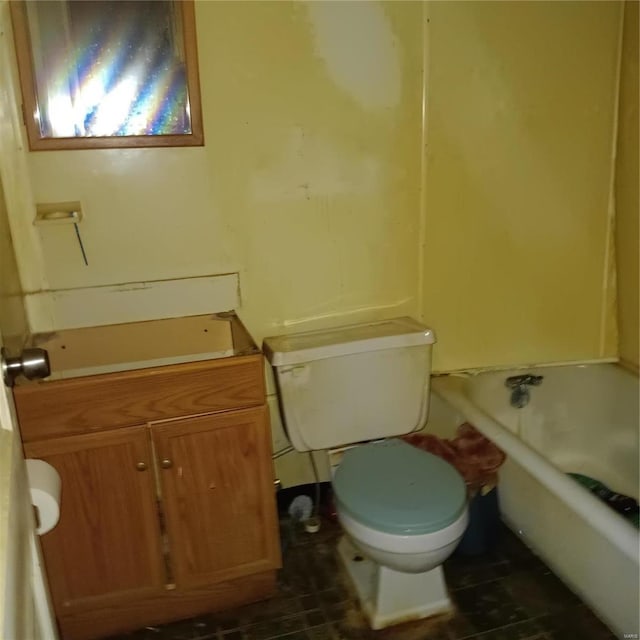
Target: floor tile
315	618
322	632
485	607
507	593
276	628
575	622
524	630
467	572
539	593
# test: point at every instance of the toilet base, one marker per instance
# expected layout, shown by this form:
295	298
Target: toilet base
390	597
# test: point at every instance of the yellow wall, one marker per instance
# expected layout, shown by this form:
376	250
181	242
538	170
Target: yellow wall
13	319
314	186
520	121
627	206
311	183
14	194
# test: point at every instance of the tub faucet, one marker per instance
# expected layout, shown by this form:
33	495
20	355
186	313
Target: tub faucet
519	386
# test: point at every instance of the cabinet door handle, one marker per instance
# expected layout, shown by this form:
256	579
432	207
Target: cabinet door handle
141	466
166	463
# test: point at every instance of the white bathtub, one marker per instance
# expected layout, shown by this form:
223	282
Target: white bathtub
581	419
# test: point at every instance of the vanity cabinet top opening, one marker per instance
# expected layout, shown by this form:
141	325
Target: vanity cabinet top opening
75	353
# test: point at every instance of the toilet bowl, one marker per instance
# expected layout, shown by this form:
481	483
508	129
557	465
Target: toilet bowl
411	554
406	505
403	510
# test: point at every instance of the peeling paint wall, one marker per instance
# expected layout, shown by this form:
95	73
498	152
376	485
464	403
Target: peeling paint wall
309	183
627	191
321	185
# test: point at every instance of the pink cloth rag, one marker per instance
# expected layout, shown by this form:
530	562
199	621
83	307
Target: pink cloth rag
475	457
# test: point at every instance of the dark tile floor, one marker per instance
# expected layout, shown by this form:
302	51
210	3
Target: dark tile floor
507	594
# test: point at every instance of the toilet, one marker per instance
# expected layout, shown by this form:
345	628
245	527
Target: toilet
354	389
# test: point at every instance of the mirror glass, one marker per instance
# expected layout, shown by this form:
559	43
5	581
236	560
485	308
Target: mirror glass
114	69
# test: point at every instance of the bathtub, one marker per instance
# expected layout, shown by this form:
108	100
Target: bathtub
581	419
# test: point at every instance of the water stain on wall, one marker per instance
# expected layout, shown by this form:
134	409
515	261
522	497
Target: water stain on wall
310	165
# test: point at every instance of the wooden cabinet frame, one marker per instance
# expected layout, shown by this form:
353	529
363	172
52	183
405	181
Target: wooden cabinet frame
219	475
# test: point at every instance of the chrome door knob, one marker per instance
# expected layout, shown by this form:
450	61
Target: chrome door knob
33	364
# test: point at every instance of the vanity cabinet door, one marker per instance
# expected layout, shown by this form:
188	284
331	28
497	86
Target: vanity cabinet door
107	545
217	490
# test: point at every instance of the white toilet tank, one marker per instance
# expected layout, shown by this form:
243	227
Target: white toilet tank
353	383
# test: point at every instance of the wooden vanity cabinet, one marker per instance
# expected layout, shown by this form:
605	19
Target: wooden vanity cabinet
217	490
168	506
108	539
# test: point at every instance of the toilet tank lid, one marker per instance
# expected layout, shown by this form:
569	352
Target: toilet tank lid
297	348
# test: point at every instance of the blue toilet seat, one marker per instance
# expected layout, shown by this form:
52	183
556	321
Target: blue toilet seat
396	488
